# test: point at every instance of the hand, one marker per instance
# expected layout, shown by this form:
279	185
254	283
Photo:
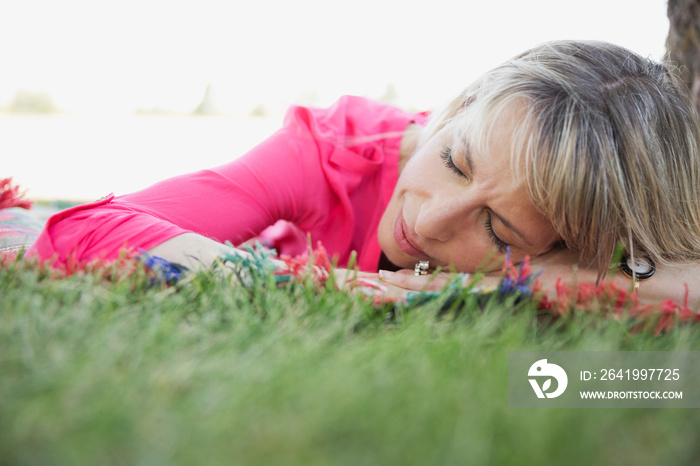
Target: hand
549	267
367	283
390	285
406	280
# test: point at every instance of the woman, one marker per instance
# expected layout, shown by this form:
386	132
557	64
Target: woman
560	154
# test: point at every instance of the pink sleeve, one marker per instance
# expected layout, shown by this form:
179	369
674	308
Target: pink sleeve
232	202
236	201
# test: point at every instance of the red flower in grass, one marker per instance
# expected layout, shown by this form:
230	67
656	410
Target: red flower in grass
672	312
314	263
604	297
516	280
609	299
11	196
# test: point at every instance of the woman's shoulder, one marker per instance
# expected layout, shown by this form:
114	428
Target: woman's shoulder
353	115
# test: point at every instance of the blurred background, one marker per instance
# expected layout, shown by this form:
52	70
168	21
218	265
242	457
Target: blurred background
99	97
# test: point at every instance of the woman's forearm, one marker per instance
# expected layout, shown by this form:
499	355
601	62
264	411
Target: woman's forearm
669	282
559	268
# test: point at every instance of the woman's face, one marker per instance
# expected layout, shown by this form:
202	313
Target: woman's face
455	206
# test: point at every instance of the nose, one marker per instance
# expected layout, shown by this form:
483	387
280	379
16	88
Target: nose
440	217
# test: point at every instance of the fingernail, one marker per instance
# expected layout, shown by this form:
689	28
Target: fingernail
385	274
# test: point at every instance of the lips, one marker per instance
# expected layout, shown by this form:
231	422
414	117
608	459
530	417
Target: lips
403	240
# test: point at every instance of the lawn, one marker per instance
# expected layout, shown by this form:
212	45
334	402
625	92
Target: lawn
108	368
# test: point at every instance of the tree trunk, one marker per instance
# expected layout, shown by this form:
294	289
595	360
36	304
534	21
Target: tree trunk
683	42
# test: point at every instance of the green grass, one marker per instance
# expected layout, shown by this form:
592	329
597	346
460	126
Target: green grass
108	371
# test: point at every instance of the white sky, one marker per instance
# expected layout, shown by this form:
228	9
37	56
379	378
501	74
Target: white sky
116	56
101	60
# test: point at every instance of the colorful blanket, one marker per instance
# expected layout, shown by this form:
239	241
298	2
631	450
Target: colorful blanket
17	230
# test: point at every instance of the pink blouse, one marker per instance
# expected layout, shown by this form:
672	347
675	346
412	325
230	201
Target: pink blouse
329	172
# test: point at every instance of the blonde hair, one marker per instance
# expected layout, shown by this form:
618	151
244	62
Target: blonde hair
609	142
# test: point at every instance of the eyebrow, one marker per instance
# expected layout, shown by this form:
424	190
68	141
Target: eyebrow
468	156
470	163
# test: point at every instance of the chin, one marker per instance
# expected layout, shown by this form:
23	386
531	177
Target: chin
399	258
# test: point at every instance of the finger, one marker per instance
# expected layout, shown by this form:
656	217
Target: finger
344	277
484	282
408	280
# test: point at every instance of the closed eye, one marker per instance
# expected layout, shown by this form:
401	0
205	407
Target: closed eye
446	156
497	241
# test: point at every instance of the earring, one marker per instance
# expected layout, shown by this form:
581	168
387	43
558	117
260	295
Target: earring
421	268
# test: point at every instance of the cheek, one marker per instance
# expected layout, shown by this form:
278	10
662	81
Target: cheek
479	257
386	223
423	176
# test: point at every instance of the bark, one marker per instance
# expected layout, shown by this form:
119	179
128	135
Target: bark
683	42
